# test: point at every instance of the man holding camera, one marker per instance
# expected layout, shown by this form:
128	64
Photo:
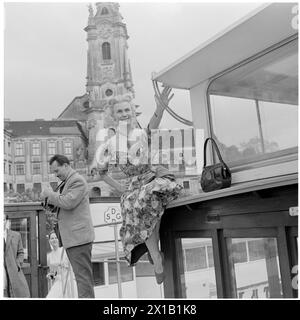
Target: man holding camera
74	221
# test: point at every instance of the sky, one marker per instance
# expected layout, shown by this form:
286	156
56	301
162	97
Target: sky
45	51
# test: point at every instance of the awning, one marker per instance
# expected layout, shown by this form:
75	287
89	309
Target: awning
259	30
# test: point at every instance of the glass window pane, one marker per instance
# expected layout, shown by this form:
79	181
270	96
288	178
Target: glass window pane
68	148
36	149
20	188
98	273
19	150
199	273
36	168
259	101
20	169
126	272
225	126
22	226
210	257
256	249
195	258
51	148
37	188
258	276
279	125
239	251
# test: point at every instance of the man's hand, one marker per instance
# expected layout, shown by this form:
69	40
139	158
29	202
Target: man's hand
51	275
47	190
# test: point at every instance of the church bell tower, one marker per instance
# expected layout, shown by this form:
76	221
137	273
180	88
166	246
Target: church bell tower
108	66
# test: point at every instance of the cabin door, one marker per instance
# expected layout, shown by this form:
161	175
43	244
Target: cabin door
26	224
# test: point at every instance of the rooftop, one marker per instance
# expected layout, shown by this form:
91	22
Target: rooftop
42	128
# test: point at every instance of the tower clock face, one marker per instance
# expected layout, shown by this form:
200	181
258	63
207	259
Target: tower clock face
105	31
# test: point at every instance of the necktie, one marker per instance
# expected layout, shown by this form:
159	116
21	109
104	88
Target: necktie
61	186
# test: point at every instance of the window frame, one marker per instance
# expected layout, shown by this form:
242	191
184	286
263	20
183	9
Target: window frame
37	186
68	147
180	260
259	161
100	268
33	169
20	184
36	151
106	51
19	146
49	148
266	232
186	184
104	11
19	165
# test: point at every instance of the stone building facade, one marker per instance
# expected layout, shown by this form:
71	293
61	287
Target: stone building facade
33	143
8	161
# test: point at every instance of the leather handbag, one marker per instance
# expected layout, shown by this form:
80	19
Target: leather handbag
216	176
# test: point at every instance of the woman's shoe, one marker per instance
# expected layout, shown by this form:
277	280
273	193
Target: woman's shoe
150	258
160	277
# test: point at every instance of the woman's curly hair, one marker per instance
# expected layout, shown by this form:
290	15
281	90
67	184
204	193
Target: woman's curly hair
119	99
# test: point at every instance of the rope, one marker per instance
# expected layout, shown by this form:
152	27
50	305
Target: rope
167	108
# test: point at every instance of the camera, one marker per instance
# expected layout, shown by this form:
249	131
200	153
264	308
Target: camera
47	206
52	276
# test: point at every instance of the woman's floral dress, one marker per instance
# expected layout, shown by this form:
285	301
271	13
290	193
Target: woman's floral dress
142	205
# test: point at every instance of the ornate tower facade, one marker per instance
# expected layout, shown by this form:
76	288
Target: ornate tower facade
108	66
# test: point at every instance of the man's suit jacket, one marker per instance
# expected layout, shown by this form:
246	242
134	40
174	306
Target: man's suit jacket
74	218
13	258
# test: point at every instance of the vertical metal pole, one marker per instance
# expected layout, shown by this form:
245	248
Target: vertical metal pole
71	279
261	136
118	261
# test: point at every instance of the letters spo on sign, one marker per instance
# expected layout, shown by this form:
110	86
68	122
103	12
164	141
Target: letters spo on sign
112	214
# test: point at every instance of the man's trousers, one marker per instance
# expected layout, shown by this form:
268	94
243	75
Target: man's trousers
81	261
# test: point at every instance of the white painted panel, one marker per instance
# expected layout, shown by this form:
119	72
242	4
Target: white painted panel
266	172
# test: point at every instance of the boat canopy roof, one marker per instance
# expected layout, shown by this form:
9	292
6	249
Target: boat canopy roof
259	30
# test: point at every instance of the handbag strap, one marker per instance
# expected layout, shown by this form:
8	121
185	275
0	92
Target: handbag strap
214	144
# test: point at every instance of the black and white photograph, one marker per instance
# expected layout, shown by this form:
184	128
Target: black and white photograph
150	152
